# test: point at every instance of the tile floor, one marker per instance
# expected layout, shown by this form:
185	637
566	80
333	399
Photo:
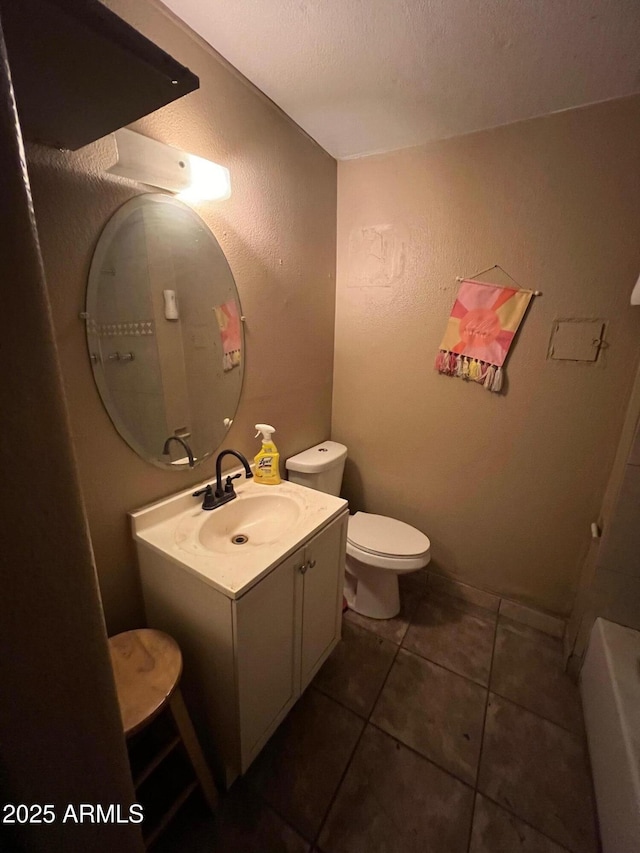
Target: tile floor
449	729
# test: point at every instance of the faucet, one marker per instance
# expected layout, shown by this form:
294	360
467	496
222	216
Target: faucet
223	495
181	441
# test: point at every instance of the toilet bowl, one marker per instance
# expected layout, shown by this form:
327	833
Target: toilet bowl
378	548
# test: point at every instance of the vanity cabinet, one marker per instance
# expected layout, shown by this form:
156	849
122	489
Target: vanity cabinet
248	659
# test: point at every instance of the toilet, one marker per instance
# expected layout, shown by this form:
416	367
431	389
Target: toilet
378	548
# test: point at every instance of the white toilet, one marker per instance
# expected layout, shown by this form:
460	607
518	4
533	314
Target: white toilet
378	548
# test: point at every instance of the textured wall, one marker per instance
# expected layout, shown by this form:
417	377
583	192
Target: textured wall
60	727
505	486
278	233
610	579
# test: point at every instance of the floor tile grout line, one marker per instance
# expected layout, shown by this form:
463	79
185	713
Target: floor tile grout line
500	599
383	685
482	793
399	740
410	616
316	839
461	597
353	752
359	715
421	755
442	666
285	821
340	702
314	844
473	815
313	841
487	686
376	634
484	727
463	605
577	735
474	787
527	823
367	722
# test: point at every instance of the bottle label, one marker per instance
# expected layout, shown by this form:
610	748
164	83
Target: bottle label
265	463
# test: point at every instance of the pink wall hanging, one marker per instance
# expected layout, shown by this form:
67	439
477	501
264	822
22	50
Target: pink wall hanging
483	323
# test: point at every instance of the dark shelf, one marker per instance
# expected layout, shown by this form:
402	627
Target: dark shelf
80	72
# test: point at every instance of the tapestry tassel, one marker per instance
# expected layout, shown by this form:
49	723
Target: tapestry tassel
454	364
489	376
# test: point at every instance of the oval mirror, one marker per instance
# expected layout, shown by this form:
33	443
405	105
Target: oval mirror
164	331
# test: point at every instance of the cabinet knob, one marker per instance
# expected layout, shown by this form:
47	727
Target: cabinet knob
303	568
311	564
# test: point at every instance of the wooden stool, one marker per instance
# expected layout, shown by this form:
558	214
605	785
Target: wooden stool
147	666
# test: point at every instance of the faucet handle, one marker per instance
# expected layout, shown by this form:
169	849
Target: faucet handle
228	487
209	498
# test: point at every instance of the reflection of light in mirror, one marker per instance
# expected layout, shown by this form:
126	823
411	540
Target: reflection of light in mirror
209	181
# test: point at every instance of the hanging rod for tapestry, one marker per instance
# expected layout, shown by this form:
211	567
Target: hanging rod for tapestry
496	267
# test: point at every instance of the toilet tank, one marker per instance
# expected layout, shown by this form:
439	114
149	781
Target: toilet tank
320	467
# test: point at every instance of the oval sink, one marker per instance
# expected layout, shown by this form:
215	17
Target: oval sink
249	522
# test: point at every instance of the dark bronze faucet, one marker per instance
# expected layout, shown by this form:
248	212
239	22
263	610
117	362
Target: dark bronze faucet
227	493
184	444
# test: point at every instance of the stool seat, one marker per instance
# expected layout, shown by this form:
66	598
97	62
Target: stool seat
147	666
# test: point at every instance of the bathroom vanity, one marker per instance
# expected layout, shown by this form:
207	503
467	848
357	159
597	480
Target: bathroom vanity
252	592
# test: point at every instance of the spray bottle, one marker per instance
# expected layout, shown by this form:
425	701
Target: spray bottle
267	470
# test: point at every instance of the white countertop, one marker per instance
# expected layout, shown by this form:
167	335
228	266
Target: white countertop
171	526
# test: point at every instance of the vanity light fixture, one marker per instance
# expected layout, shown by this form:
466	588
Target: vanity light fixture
150	162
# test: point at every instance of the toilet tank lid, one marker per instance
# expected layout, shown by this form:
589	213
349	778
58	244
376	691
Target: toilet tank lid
317	458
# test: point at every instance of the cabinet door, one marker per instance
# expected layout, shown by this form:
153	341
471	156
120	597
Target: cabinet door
266	659
322	596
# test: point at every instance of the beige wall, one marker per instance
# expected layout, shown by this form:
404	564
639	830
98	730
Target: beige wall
278	233
505	486
610	579
60	729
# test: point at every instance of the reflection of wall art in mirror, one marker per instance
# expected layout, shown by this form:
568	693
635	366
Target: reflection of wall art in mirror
228	319
163	329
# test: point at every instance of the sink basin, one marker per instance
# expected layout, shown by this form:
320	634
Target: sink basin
249	522
238	543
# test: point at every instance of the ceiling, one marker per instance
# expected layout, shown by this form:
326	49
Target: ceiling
365	76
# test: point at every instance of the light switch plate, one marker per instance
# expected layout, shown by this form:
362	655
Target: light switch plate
576	339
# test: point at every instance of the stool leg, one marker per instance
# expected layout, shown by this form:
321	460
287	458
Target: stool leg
191	744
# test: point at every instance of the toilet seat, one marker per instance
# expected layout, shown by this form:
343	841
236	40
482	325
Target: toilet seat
386	543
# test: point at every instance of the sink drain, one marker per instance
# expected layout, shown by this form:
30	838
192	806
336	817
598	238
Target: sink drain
239	539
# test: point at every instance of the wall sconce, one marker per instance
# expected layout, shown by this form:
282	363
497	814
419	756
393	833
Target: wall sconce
159	165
